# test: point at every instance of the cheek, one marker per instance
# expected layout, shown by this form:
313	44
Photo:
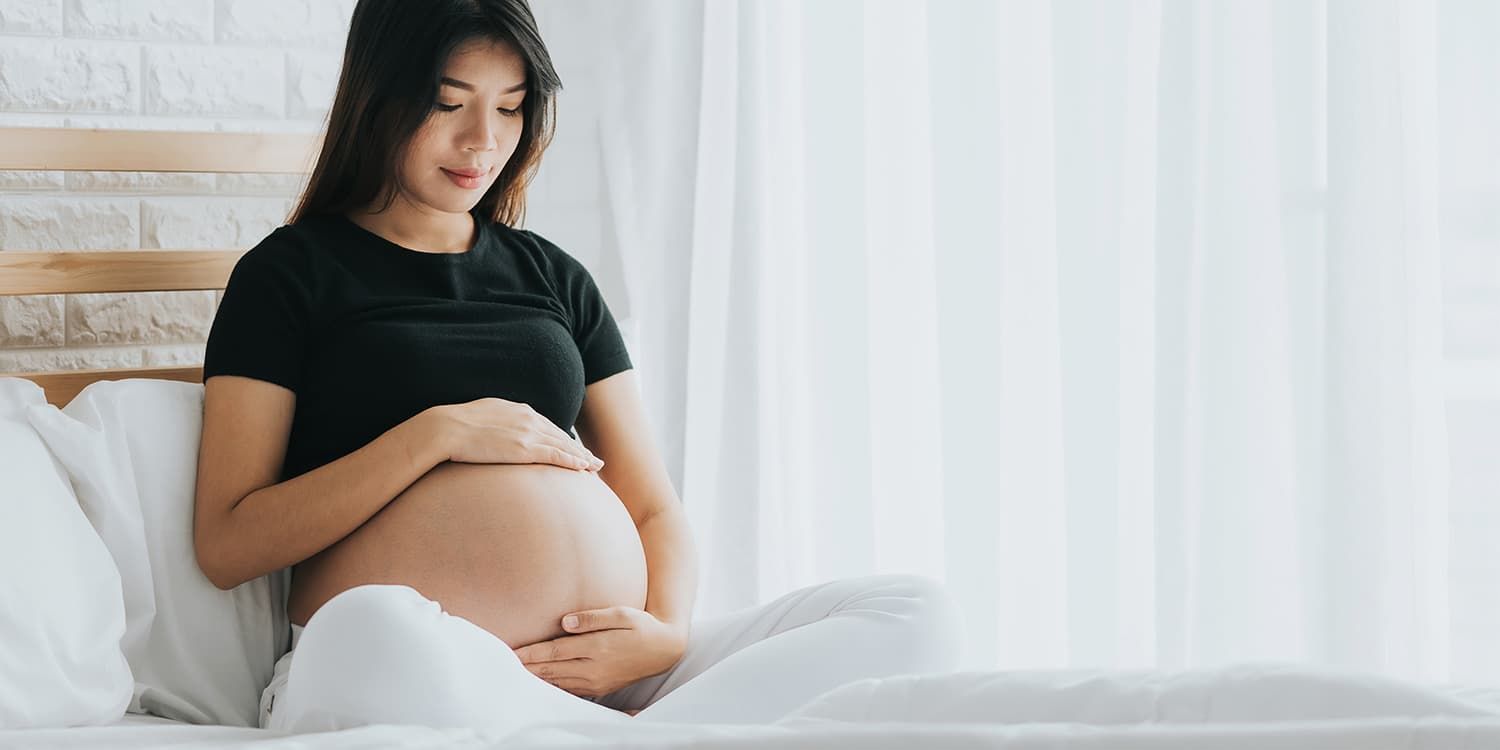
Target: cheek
424	151
412	173
513	132
507	142
417	160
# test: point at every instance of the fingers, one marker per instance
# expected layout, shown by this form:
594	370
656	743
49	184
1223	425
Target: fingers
549	443
570	452
558	649
545	651
568	442
543	434
616	617
576	457
559	671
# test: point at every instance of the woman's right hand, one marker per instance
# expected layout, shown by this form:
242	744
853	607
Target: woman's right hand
497	431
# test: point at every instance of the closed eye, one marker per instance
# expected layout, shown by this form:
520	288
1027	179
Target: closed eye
501	110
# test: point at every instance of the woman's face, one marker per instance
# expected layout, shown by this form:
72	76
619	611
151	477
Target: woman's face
471	133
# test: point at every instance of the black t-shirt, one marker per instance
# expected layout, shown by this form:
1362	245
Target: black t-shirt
368	333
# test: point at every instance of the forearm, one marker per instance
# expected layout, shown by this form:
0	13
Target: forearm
671	565
285	523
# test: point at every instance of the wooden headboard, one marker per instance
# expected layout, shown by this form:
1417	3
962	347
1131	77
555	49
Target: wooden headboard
69	271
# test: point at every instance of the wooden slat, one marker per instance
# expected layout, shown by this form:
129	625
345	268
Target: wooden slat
114	271
62	386
109	150
77	149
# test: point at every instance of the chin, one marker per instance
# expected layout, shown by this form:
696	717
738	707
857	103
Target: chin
454	207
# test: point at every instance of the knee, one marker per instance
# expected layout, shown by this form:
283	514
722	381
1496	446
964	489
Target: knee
366	629
377	611
369	654
933	624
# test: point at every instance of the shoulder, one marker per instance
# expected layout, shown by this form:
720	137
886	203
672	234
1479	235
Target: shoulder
558	262
304	248
530	240
286	245
286	259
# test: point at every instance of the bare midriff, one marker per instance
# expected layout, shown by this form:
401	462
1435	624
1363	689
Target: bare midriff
510	547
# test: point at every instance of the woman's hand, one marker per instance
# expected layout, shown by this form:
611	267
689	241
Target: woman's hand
497	431
615	647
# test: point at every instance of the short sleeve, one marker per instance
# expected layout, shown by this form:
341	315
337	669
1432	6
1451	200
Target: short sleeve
261	327
594	329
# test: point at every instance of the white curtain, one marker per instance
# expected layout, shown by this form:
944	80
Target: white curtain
1123	319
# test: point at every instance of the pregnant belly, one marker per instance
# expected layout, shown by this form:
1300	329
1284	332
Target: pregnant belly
510	547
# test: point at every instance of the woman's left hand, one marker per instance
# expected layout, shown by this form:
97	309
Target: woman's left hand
614	647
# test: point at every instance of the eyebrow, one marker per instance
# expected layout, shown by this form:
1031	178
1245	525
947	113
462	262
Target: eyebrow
454	82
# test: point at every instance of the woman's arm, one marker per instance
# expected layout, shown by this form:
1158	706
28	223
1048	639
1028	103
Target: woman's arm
612	424
245	524
671	566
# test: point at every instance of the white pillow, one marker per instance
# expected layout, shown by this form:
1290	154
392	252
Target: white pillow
61	614
199	654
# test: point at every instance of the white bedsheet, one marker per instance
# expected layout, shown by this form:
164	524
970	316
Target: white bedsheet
1260	706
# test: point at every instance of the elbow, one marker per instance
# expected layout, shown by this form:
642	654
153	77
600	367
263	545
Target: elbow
221	584
205	549
213	575
212	570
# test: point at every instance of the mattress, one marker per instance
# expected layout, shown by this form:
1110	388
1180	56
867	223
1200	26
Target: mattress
1262	706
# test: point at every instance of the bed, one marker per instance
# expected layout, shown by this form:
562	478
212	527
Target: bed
1249	705
1262	706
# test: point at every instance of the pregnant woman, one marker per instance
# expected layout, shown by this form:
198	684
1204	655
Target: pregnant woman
431	417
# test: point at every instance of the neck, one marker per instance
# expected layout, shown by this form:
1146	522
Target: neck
427	230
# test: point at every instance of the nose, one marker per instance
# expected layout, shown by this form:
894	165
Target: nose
479	134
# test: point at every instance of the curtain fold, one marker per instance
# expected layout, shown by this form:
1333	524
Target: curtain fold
1387	466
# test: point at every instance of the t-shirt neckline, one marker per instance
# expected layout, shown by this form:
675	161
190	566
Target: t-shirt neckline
422	256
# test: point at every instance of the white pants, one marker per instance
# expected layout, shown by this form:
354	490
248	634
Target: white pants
385	654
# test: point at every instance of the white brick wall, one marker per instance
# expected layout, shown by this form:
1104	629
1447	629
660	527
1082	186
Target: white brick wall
231	65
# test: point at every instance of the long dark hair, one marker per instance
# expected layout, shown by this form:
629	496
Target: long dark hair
393	61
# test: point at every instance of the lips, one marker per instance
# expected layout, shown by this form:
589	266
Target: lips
470	172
